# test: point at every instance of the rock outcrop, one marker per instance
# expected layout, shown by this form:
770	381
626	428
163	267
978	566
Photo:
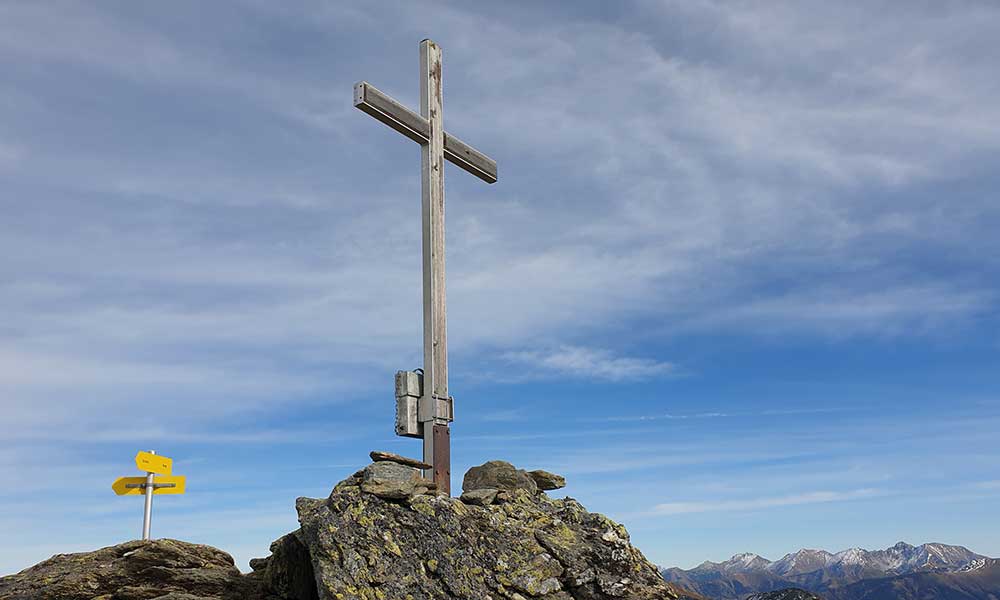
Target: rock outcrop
384	533
160	569
504	539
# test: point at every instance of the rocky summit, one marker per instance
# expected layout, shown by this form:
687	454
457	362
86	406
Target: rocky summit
503	539
385	533
161	569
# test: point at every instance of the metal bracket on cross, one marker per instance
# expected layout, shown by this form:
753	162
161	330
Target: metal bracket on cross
411	412
157	481
423	406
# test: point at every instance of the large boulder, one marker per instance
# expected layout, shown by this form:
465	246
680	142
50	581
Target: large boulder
140	570
518	545
498	475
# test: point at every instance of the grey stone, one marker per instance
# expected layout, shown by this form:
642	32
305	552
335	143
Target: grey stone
378	455
140	569
499	475
427	483
547	481
389	480
530	548
288	572
483	497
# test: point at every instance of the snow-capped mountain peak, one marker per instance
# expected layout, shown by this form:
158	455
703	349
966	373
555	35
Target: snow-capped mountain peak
820	570
739	563
980	563
745	562
852	562
747	559
802	561
852	556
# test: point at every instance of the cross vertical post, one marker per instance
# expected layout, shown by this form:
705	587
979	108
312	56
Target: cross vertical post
423	406
436	445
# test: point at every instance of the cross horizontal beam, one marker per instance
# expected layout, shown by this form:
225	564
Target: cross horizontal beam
387	110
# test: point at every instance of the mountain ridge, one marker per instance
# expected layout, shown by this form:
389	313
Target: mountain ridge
826	573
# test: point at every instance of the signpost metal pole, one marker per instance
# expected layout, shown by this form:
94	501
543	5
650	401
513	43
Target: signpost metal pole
157	480
147	514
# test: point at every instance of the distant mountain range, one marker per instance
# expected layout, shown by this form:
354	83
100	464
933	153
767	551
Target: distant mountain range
901	572
786	594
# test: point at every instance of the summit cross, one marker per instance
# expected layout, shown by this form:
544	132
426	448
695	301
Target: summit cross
429	392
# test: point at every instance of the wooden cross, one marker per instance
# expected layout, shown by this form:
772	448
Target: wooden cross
436	145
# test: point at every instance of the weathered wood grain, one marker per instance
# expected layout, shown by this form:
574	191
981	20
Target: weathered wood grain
386	109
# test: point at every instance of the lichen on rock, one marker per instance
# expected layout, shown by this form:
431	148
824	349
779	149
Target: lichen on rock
390	480
384	533
480	497
498	475
140	570
505	540
547	481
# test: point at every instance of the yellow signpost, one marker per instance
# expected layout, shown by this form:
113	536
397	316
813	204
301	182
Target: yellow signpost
157	481
153	463
136	486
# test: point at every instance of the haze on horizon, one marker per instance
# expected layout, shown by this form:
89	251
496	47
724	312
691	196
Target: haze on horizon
738	281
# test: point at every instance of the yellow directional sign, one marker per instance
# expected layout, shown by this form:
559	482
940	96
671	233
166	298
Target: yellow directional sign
162	486
153	463
119	486
176	483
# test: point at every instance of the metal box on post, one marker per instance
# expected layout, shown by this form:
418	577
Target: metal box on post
445	408
409	388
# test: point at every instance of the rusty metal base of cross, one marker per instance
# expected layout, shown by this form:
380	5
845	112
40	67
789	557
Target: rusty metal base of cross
442	458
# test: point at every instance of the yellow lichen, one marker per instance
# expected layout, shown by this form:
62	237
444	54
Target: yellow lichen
390	544
423	508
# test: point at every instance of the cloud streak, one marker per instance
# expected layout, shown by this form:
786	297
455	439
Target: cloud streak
766	503
578	361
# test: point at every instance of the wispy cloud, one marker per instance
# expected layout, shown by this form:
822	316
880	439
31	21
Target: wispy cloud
664	417
769	177
590	362
779	412
751	504
893	310
503	416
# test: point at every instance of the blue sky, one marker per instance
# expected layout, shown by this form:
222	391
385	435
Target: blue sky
738	280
